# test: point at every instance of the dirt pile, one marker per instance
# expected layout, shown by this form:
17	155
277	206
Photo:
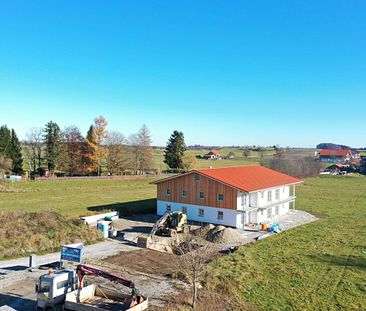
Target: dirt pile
218	234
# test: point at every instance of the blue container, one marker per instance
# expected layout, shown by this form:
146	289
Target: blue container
103	226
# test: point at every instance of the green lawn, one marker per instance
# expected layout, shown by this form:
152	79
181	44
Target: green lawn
320	266
76	198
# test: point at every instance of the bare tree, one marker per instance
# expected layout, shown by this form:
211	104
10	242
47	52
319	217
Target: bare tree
35	142
73	141
246	152
195	254
189	161
117	160
5	166
145	149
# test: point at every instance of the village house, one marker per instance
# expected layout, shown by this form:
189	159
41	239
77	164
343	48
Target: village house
212	155
231	196
333	156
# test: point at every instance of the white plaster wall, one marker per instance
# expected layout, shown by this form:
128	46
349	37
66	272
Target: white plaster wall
256	197
210	215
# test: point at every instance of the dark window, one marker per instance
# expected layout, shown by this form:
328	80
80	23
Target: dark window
168	207
220	197
220	215
184	194
202	195
168	192
198	177
201	212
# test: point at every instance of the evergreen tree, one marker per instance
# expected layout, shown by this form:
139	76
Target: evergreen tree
5	137
52	140
16	154
174	150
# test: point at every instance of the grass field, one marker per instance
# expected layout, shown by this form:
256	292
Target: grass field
77	198
320	266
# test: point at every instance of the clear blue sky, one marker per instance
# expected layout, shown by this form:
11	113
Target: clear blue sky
224	72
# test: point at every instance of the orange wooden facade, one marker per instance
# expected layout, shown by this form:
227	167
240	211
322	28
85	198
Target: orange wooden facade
193	187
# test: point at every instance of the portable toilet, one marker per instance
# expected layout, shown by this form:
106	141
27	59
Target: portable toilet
103	226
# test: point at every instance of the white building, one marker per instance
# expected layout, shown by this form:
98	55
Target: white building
231	196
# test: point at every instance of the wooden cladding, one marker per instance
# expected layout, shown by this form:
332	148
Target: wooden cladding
194	189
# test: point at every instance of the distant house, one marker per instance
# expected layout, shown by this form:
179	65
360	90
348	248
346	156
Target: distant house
231	196
212	155
334	156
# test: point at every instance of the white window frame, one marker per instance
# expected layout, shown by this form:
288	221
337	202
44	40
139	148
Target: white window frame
199	195
277	194
269	196
269	210
218	197
168	207
197	177
262	194
277	210
168	192
220	215
201	212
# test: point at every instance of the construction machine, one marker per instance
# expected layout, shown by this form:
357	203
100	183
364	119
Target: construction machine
52	288
170	223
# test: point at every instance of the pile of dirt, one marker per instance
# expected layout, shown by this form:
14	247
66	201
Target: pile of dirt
218	234
203	231
226	235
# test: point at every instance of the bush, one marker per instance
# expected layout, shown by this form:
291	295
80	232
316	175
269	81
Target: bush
302	167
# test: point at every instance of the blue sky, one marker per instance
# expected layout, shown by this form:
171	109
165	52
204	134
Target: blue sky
223	72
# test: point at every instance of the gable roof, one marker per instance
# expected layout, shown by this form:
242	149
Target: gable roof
337	153
245	178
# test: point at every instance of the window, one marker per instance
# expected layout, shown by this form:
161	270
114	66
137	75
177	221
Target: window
184	194
202	195
276	210
220	215
283	190
168	207
168	192
269	196
62	284
262	194
201	212
184	210
262	212
197	177
220	197
277	194
269	212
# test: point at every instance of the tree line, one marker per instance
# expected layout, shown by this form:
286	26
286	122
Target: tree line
99	152
68	152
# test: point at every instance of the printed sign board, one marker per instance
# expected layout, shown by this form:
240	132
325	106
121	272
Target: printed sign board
72	252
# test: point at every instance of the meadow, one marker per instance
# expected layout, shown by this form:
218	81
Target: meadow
319	266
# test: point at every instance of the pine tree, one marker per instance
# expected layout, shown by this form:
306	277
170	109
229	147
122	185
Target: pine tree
52	139
5	137
16	154
174	150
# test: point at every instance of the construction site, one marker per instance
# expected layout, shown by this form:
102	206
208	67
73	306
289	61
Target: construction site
140	265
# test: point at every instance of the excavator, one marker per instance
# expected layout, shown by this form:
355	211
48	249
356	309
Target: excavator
52	288
170	223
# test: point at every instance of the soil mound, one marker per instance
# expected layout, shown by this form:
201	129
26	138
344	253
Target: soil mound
226	235
202	231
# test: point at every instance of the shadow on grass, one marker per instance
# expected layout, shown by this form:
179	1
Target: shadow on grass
147	206
342	261
15	268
